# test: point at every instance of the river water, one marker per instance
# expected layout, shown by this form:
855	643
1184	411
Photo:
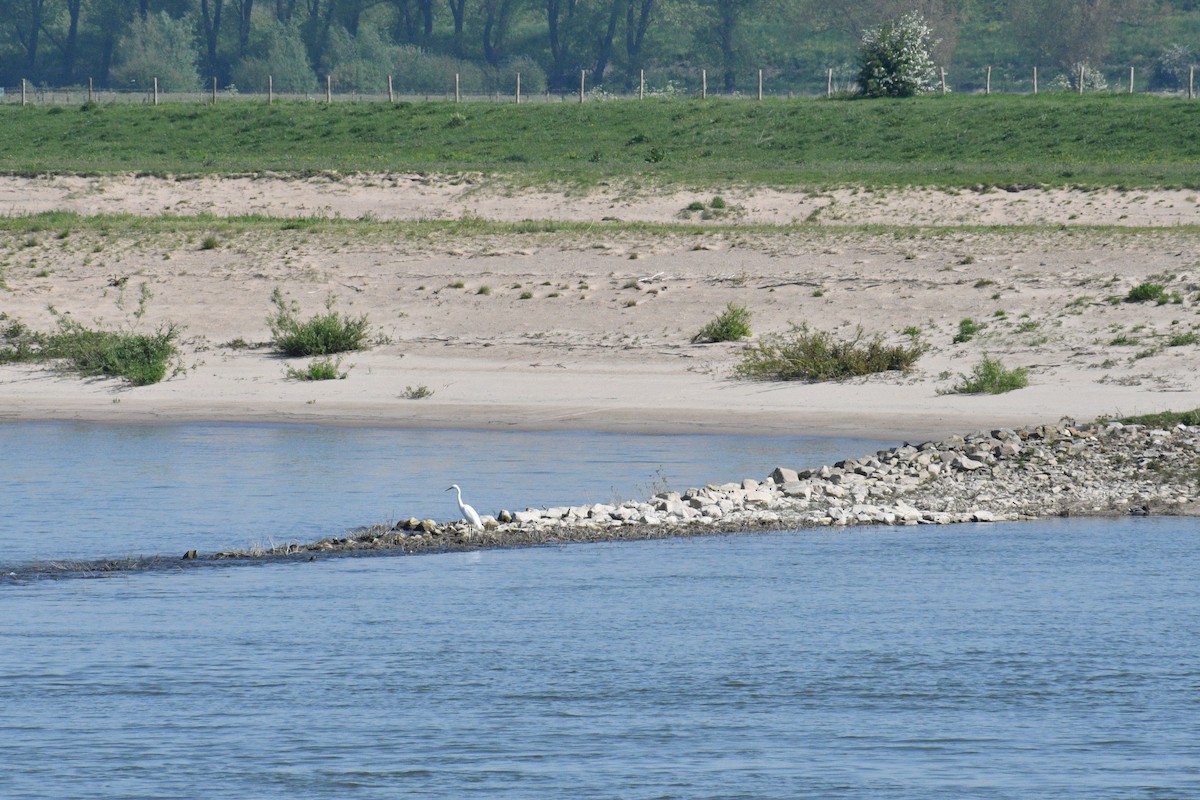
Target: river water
1018	660
70	491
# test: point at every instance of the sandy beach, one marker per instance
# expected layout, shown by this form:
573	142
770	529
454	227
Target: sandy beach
591	329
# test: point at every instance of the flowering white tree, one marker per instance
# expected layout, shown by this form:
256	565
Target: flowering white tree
896	58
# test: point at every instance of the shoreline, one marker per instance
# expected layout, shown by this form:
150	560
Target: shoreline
1096	469
821	422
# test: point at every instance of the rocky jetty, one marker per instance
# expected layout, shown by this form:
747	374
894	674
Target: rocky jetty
1095	469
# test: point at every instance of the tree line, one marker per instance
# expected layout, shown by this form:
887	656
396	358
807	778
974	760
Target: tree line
423	44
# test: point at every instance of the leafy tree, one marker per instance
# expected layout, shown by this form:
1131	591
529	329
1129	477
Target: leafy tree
358	63
1067	32
730	15
276	51
855	19
1172	66
27	20
158	47
418	72
498	16
503	79
896	59
414	21
210	19
638	14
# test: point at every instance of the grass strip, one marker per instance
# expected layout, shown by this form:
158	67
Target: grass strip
1053	139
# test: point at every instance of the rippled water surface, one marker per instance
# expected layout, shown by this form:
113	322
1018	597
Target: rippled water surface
93	491
1016	660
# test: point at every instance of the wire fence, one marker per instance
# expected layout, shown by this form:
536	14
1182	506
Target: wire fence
986	83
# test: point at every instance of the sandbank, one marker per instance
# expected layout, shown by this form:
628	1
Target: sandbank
591	329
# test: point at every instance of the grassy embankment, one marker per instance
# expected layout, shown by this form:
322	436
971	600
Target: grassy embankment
1134	141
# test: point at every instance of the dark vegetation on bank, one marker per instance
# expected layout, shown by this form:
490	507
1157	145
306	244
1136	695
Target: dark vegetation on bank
1164	419
1053	139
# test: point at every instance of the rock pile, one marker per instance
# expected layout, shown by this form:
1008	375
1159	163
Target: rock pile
1097	469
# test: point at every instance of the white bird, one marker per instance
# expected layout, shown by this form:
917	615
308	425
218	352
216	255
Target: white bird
468	513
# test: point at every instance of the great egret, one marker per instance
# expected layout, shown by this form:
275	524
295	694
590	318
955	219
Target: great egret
468	513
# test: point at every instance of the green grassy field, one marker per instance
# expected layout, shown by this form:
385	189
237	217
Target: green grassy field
1135	141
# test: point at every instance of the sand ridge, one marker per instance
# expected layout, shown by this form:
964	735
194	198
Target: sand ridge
603	339
417	196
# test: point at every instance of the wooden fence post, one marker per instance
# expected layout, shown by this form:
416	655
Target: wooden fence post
760	85
328	89
943	80
641	84
1035	80
1081	78
703	84
22	91
156	91
1191	83
391	94
829	82
270	90
214	90
89	91
518	88
988	85
582	78
1131	80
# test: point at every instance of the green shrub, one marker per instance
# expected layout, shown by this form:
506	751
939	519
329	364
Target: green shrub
808	355
503	79
896	58
967	329
20	344
140	359
417	392
322	335
1164	419
991	377
417	71
157	46
732	324
1144	292
320	369
1182	339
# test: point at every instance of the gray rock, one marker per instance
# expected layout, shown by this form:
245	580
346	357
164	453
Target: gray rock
783	476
